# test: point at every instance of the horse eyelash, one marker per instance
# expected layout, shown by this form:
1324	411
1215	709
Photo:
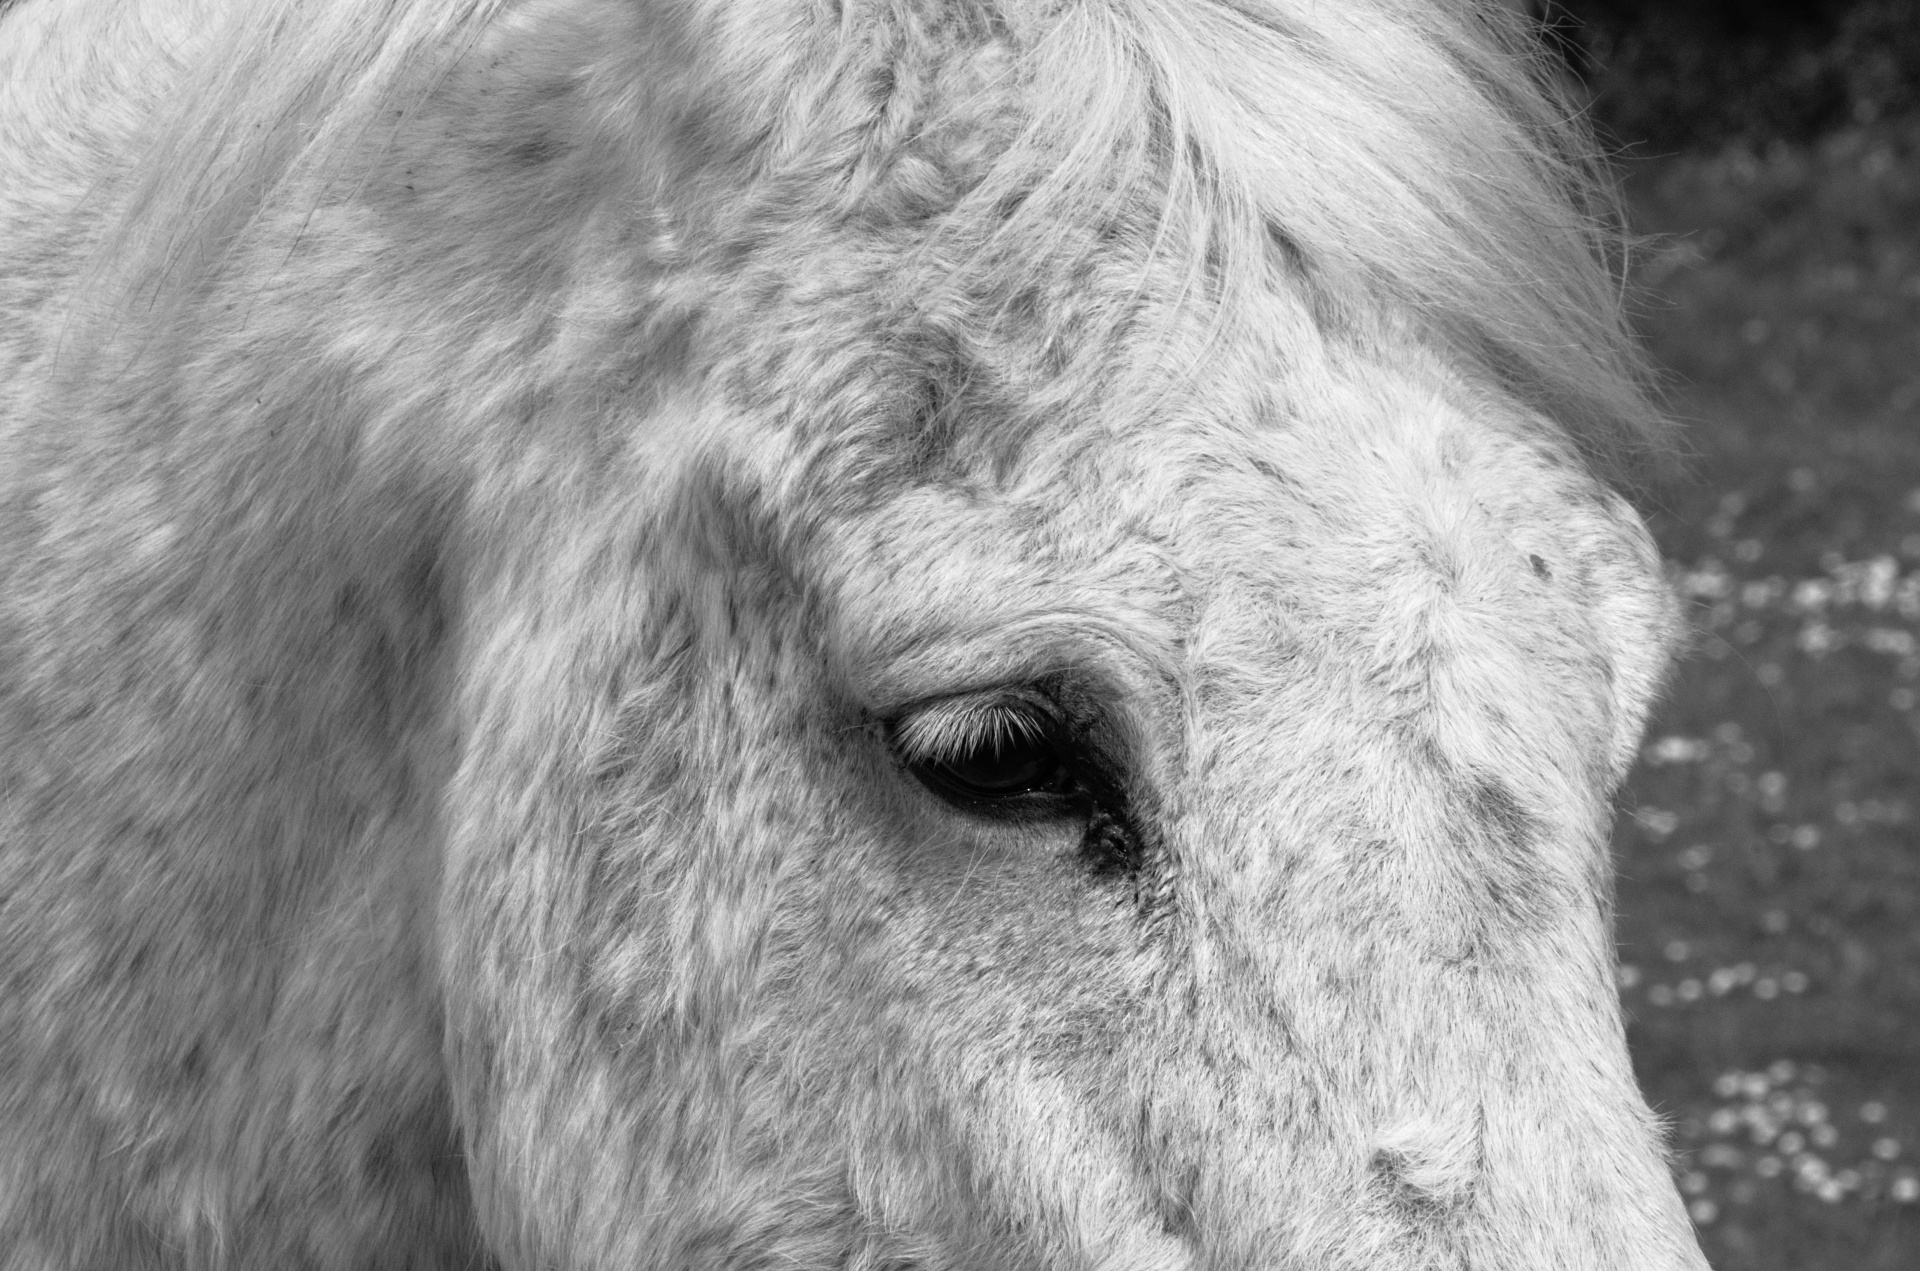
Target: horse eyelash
948	731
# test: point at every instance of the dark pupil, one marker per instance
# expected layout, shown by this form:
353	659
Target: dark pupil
1001	768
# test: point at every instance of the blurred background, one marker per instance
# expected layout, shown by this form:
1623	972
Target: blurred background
1769	843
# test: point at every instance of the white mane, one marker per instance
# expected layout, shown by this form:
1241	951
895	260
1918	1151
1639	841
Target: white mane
1395	154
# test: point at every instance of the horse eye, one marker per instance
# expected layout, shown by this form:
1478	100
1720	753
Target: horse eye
985	757
1000	768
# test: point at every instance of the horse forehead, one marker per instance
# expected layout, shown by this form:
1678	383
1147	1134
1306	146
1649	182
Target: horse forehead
1224	532
1332	490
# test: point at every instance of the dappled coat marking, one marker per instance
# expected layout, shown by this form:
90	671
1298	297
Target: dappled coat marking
763	633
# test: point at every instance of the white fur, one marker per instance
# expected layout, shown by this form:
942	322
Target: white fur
476	479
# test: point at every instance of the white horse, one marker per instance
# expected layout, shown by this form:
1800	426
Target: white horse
945	634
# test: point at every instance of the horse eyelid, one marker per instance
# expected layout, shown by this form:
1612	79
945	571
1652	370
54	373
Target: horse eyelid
947	731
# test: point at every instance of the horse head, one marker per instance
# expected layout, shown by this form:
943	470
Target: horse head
766	632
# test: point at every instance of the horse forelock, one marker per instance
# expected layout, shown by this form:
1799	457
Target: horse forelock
1173	161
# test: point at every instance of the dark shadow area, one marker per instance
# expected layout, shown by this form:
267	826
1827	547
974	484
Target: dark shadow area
1672	75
